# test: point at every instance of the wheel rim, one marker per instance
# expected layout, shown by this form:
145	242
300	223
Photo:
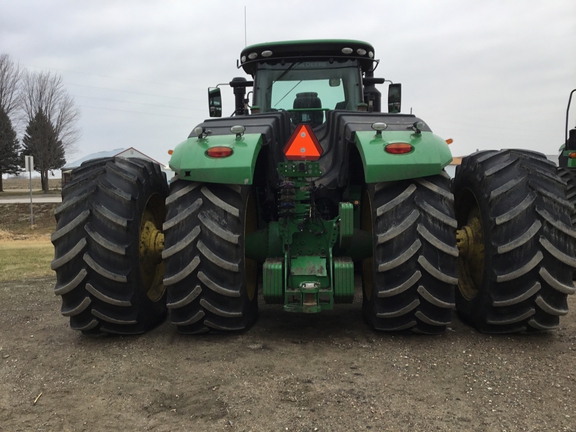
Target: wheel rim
250	265
368	263
151	246
470	242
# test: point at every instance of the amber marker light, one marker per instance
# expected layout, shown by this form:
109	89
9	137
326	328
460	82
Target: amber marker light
398	148
572	155
449	141
219	152
170	152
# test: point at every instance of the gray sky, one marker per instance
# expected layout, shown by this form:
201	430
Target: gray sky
490	74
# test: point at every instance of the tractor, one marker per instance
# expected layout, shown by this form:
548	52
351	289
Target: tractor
567	159
306	185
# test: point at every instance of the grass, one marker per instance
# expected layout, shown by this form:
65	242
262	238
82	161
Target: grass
25	259
25	251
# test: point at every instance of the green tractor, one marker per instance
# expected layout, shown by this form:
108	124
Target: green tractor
305	185
567	159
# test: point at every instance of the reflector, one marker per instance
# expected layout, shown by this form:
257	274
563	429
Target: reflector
303	144
219	152
398	148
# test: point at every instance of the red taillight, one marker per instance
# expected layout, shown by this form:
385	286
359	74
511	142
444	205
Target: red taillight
219	152
398	148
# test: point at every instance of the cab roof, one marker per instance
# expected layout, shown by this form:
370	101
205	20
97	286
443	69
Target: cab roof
272	52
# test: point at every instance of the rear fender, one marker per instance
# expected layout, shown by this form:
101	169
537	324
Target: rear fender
429	156
190	161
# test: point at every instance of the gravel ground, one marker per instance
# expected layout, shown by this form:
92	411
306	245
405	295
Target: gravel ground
325	372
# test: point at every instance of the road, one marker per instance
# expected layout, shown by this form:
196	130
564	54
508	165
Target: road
38	199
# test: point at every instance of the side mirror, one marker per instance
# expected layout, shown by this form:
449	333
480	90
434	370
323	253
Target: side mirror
214	102
394	98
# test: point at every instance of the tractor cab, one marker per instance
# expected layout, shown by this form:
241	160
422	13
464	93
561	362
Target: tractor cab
307	79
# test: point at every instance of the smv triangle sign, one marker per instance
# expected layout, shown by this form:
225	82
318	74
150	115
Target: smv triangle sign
303	144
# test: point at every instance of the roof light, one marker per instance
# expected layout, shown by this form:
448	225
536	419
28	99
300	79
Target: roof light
199	131
347	50
361	51
252	56
398	148
238	130
417	127
266	53
379	126
170	152
219	152
449	141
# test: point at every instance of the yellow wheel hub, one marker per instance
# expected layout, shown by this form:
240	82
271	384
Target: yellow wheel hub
470	242
151	247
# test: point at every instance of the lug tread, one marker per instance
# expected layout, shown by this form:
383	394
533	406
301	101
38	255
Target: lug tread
221	312
401	198
184	273
399	229
189	298
410	282
76	310
215	259
106	299
65	288
434	300
69	256
70	226
522	270
102	271
436	242
402	258
522	239
218	202
438	274
519	299
182	244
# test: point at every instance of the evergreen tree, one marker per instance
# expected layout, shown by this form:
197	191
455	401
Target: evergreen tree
9	147
41	141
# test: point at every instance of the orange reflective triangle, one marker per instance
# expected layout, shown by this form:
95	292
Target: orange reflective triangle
303	144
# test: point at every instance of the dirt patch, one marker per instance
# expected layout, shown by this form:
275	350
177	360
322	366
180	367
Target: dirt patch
15	221
290	372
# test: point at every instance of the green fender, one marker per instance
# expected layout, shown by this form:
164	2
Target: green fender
190	161
430	154
570	162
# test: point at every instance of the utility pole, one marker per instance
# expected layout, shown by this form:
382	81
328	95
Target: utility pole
29	166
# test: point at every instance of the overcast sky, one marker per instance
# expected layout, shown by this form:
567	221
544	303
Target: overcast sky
489	74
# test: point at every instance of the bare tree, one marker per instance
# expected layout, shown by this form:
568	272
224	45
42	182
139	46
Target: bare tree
9	145
44	92
10	75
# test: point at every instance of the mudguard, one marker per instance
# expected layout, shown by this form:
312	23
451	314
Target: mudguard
191	162
429	156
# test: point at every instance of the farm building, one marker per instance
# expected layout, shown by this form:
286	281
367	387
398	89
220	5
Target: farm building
129	152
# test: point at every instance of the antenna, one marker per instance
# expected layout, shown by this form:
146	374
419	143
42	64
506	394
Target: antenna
245	37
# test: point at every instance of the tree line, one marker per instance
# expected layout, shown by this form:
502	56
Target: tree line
39	101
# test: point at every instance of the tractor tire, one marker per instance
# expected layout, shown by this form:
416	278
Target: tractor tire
408	284
212	286
516	242
108	277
